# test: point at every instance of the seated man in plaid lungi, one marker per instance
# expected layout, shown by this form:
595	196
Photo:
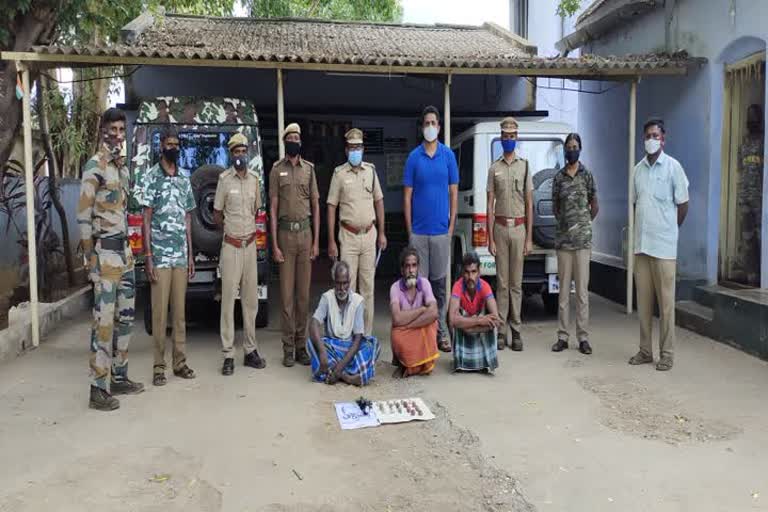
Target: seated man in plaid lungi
344	352
474	318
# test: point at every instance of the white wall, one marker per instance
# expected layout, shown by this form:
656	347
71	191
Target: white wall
692	108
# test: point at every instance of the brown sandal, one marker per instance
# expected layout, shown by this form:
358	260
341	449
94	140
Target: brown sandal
445	345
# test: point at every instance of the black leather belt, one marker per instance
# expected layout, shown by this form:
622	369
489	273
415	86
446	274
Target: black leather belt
112	244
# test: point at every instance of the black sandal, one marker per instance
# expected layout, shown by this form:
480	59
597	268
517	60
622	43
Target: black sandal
159	379
185	372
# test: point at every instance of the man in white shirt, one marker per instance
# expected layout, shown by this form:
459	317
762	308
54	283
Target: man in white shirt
661	204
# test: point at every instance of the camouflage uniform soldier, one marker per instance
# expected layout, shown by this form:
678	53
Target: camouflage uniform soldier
574	198
102	218
750	199
235	207
293	197
510	229
167	201
356	192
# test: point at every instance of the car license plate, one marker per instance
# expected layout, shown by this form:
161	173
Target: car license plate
202	277
554	284
488	268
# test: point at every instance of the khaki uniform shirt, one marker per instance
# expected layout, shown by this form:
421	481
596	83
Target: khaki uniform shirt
239	199
294	187
505	180
354	190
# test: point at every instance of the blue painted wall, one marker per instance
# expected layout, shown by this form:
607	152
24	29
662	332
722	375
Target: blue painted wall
692	108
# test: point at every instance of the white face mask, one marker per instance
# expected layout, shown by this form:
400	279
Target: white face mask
430	133
652	146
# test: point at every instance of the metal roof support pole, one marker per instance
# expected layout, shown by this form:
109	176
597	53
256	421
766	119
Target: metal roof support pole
29	181
280	114
631	195
447	142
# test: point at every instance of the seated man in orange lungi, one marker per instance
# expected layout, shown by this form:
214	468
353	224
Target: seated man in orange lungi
414	319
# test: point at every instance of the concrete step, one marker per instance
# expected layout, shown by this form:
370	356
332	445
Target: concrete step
696	317
705	295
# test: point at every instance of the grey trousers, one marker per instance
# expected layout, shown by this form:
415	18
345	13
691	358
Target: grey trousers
434	256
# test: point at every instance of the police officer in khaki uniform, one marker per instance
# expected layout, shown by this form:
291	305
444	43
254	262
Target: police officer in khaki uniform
292	190
356	192
235	206
510	228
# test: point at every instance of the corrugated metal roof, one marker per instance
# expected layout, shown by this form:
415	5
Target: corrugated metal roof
298	41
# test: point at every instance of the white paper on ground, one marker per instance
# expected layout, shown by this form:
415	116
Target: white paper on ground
351	417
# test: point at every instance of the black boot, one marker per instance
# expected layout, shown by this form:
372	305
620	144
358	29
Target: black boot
517	341
126	386
560	345
101	400
254	361
302	357
229	366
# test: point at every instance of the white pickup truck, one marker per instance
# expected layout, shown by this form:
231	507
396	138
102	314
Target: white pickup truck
539	142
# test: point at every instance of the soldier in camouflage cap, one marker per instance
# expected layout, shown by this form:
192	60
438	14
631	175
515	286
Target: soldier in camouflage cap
102	218
168	201
574	199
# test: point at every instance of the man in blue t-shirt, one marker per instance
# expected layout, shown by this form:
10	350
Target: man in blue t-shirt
430	198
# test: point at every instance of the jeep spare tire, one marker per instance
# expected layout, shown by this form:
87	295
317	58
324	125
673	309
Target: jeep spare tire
544	223
206	235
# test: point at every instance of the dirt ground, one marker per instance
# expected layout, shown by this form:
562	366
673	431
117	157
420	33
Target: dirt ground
560	432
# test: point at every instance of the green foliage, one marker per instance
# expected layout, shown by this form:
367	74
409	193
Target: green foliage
363	10
568	7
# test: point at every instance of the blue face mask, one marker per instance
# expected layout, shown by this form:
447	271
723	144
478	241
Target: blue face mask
508	145
355	157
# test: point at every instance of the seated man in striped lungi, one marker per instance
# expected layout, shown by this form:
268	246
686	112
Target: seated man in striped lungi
474	318
343	352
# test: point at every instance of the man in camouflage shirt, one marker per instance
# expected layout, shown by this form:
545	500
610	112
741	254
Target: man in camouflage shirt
750	198
102	218
166	196
574	198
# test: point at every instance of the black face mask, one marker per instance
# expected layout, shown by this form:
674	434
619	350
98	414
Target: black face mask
292	148
572	155
171	155
239	163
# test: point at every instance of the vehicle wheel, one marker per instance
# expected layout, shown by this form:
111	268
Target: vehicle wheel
148	313
550	302
206	235
544	223
262	317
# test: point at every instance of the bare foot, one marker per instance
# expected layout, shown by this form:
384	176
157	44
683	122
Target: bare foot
354	380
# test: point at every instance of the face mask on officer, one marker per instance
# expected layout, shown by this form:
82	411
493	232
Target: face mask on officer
355	157
292	148
572	155
239	163
508	145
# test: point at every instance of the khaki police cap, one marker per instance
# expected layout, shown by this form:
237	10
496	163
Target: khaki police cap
354	136
292	128
509	125
237	140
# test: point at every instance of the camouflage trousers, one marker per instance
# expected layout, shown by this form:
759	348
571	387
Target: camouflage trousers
114	293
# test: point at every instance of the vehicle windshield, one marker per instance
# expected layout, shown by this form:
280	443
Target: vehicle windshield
541	154
197	149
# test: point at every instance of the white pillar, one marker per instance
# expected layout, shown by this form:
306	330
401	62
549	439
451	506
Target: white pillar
447	141
29	181
280	114
631	194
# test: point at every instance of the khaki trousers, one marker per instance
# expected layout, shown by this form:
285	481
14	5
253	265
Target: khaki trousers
655	280
359	251
171	286
295	278
238	271
573	265
510	243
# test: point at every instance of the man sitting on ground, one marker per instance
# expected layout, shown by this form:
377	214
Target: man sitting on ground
344	353
474	318
414	319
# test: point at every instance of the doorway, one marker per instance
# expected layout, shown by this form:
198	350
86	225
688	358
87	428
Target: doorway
742	172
